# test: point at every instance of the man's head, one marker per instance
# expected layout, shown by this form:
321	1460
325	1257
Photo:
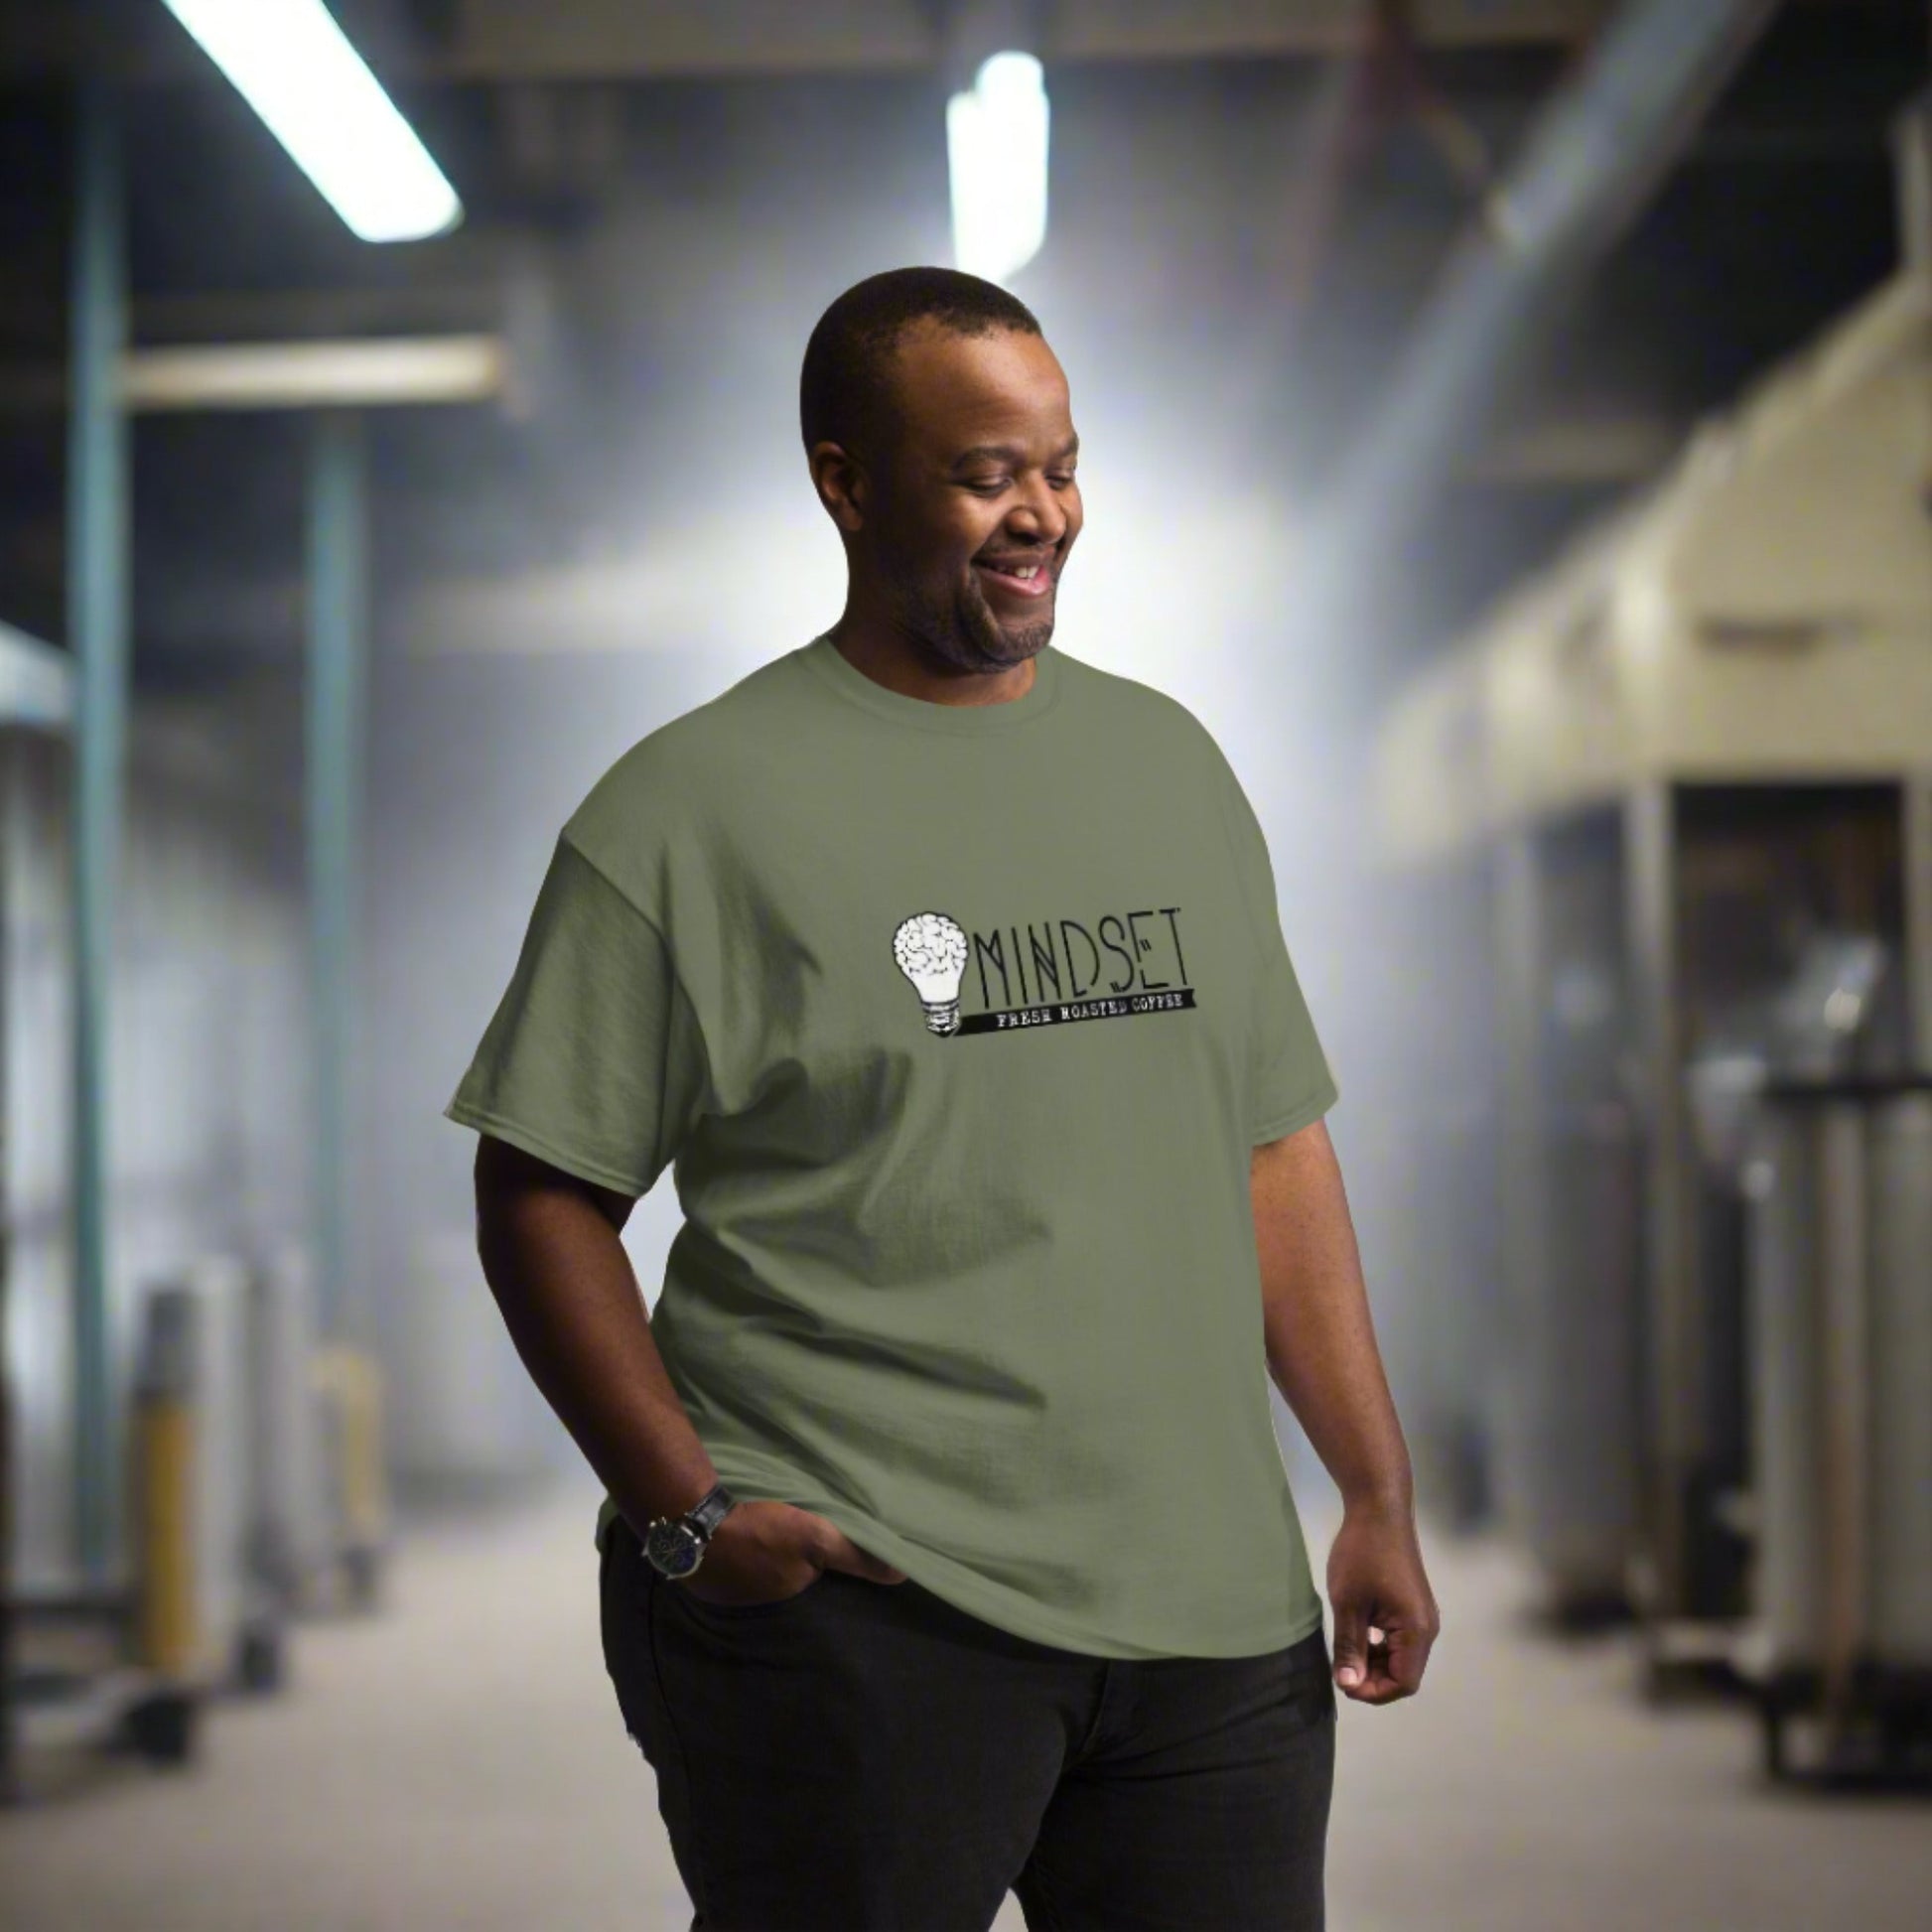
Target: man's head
937	424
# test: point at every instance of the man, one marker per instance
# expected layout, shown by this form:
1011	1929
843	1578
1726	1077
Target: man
949	1548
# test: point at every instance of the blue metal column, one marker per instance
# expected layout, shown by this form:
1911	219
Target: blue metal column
97	635
337	644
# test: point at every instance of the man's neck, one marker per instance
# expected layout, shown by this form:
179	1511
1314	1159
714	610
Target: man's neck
886	656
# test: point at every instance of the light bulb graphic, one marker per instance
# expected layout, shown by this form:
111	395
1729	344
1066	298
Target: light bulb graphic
932	952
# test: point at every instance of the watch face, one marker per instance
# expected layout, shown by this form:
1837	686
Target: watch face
672	1548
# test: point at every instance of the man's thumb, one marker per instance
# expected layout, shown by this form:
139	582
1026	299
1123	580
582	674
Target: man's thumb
843	1554
1351	1646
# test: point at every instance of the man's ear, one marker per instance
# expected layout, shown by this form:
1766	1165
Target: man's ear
842	484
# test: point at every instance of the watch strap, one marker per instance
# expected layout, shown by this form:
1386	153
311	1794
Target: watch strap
710	1510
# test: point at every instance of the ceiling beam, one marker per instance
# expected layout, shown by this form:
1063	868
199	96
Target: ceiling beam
1566	453
1599	149
275	315
489	41
570	40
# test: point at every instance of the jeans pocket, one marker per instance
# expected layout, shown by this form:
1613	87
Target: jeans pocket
739	1612
1308	1678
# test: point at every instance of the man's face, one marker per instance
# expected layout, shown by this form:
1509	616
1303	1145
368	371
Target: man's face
972	509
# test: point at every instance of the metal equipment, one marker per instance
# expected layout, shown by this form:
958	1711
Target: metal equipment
170	1520
1433	1164
1841	1325
291	1541
350	1387
206	962
1689	769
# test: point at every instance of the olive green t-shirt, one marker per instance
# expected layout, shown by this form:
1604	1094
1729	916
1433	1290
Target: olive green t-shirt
956	1027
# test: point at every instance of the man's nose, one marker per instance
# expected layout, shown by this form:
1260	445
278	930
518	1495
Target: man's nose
1040	516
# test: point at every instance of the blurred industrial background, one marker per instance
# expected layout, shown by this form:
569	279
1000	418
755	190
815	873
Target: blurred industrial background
1507	425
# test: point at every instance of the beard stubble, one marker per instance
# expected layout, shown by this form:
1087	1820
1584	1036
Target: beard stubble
961	631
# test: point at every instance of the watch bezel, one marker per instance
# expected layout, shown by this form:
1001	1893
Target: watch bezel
673	1548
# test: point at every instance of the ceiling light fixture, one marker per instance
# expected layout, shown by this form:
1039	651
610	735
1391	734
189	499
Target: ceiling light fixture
293	65
996	154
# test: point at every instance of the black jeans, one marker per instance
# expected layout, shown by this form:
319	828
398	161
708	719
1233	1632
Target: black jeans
867	1755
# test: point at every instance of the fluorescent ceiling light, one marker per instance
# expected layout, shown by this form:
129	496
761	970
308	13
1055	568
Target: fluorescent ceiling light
295	68
360	373
996	151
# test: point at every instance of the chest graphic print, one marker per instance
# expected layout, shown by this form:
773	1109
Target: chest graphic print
1118	966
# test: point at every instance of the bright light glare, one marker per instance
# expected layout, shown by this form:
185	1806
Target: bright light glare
293	66
996	151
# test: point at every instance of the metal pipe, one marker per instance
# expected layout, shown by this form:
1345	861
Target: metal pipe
1517	941
1845	1385
1911	143
1673	1366
97	626
1590	162
1916	802
338	601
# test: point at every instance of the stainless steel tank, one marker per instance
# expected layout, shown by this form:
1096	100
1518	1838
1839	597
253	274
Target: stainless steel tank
1840	1332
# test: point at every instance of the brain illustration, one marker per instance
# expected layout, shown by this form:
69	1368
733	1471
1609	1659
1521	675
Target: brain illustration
929	945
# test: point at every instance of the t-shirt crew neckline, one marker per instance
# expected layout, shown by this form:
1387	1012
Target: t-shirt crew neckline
824	658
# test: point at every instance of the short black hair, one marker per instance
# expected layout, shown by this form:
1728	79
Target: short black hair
848	361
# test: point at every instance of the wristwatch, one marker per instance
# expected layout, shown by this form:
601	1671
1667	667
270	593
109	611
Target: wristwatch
675	1545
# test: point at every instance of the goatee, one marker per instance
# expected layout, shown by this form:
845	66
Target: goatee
963	633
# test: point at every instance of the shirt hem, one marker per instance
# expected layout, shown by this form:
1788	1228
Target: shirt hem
1305	1115
499	1129
1000	1608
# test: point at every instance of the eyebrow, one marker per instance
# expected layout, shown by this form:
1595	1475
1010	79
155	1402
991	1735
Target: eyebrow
1009	451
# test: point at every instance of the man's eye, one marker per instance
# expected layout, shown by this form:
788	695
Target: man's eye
987	486
1062	480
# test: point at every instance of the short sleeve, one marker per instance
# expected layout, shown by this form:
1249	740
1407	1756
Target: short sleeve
594	1060
1291	1084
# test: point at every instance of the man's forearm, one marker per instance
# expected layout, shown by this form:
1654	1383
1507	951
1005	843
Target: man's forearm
569	1295
1320	1341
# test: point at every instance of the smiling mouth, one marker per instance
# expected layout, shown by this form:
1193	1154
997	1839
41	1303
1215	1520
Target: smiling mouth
1032	577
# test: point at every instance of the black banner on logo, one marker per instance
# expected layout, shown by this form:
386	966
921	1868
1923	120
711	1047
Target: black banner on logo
1126	1006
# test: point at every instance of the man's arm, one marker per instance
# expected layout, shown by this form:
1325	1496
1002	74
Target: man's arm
550	1251
1322	1356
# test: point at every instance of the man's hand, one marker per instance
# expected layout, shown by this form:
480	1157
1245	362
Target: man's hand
1386	1618
764	1552
1322	1355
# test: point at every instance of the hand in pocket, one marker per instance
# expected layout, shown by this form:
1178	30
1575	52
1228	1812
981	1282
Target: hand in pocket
766	1552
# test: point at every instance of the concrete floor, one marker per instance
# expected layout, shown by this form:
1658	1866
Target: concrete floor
458	1763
